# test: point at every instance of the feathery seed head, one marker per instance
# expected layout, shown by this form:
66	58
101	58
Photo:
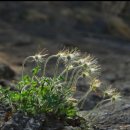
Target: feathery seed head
89	62
85	74
116	96
96	83
94	69
40	57
70	67
109	92
69	55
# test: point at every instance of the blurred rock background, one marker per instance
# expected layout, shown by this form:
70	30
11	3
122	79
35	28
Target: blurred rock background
99	28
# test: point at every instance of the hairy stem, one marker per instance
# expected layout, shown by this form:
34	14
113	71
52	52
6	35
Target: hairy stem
24	64
82	100
66	76
72	75
62	73
67	72
47	60
56	68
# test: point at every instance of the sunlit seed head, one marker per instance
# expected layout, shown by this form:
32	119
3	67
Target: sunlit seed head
39	58
69	54
96	83
94	69
63	53
77	54
88	63
73	56
63	56
82	61
85	74
109	92
116	96
91	70
70	67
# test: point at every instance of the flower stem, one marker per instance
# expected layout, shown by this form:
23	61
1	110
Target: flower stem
72	75
84	97
24	64
47	60
56	68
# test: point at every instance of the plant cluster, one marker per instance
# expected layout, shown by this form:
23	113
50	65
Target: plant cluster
39	93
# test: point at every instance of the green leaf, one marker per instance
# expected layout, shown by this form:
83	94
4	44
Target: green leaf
36	70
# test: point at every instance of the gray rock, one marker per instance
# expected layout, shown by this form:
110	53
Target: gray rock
11	125
6	83
53	126
33	124
71	128
90	102
126	91
110	116
20	118
17	122
111	77
6	72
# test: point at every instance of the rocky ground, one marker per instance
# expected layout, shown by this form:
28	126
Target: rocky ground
27	27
